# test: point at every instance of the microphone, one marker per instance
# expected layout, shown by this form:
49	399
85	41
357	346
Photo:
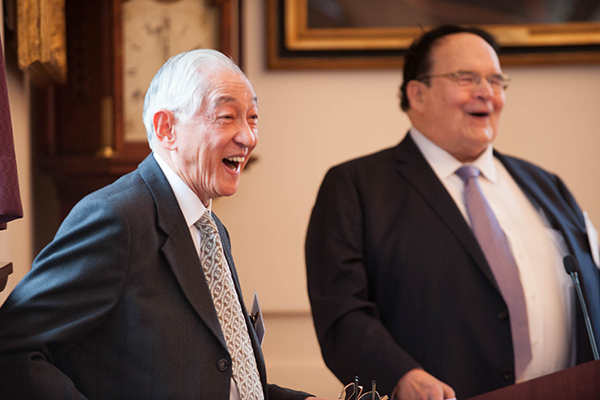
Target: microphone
571	268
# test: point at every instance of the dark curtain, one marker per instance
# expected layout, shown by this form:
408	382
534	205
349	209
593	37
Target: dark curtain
10	199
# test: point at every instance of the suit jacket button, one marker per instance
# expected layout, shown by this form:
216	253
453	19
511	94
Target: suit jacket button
502	315
223	365
508	374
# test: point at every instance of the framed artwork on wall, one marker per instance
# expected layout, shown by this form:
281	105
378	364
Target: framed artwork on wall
376	33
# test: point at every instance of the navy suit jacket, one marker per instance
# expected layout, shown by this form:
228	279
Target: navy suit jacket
117	306
397	279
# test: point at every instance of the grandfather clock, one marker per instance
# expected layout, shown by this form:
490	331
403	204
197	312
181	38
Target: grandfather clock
89	131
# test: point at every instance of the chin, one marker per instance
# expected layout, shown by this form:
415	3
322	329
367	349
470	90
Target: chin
226	192
484	136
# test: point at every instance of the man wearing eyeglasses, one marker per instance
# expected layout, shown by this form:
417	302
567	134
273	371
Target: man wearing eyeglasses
435	267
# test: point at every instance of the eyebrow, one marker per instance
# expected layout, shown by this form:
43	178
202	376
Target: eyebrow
222	100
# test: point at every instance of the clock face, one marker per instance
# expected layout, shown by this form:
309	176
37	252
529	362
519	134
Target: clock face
153	31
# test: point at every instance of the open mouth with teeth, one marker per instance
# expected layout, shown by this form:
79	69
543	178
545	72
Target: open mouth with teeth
233	163
480	114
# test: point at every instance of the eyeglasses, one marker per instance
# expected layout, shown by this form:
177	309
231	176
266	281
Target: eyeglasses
471	79
353	391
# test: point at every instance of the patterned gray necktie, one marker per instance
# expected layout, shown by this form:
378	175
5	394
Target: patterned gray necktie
229	310
497	252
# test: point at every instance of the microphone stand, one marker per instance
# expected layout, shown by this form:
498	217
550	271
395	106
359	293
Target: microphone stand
571	267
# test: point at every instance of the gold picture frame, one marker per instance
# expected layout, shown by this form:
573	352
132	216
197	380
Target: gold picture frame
292	44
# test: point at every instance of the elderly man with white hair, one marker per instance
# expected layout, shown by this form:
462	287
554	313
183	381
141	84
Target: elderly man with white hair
137	296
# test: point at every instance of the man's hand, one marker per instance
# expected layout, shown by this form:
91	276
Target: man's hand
417	384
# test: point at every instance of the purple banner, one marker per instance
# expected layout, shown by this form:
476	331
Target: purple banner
10	199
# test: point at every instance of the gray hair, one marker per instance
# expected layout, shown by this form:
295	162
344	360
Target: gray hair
182	84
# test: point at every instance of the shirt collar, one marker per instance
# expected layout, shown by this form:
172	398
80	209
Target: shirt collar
190	205
445	165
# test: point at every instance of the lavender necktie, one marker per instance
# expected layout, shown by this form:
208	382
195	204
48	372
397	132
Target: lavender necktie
497	252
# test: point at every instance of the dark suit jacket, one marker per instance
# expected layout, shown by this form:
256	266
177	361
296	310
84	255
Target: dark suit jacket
397	280
117	306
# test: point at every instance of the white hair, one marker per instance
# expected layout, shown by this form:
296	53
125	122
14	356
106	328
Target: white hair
182	84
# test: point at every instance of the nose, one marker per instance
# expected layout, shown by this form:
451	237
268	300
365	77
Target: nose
247	136
483	89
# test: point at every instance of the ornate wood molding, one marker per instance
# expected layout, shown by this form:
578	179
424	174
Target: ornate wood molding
41	40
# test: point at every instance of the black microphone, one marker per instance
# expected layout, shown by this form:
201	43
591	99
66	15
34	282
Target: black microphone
571	267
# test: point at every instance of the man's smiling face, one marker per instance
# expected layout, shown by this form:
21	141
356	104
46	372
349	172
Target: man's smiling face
214	145
463	121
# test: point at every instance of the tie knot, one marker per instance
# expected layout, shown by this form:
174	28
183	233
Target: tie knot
206	224
468	171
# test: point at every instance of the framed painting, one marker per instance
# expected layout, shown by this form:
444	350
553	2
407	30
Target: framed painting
376	33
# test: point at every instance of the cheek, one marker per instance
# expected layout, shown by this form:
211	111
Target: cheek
499	102
212	149
454	105
497	112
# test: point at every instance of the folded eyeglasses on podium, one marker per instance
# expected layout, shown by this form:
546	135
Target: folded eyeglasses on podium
354	391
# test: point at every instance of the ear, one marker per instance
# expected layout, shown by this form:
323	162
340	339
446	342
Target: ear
415	91
164	122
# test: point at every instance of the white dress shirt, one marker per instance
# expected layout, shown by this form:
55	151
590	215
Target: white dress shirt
192	209
537	248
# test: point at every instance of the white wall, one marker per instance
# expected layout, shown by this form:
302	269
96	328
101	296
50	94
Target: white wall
311	120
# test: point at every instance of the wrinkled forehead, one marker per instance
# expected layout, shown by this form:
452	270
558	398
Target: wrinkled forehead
226	87
463	51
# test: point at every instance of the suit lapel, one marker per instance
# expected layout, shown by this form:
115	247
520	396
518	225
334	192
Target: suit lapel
179	248
568	219
413	166
536	195
183	259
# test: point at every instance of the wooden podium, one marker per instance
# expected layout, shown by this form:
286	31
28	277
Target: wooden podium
5	270
581	382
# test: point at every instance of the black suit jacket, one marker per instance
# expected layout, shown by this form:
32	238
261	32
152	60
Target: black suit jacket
397	279
117	306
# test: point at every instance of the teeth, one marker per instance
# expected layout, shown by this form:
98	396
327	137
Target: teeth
236	159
